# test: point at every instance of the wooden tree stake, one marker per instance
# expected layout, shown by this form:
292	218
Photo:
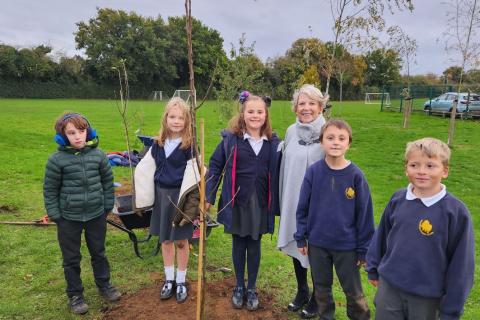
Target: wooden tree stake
201	244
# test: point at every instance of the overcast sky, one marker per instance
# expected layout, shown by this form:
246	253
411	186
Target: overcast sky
272	24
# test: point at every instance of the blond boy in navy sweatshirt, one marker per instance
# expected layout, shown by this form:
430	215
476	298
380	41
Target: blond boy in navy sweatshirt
421	258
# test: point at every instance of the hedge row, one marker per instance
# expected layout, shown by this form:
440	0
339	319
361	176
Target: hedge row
55	90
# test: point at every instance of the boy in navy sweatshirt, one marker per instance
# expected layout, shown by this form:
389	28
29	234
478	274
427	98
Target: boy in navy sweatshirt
421	258
335	222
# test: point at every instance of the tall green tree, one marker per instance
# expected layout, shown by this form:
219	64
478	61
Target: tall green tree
8	66
286	72
452	74
35	64
243	71
115	35
207	50
154	52
383	67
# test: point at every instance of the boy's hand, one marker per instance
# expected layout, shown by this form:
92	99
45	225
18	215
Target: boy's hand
56	220
361	263
303	250
373	283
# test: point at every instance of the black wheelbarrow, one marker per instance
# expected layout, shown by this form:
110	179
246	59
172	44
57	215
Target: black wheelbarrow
137	220
132	220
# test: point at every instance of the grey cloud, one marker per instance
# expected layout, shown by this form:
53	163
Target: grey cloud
272	24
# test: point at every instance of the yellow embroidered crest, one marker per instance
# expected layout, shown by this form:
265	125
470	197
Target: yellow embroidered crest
425	227
350	193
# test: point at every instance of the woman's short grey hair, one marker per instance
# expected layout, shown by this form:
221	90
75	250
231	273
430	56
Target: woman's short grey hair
312	92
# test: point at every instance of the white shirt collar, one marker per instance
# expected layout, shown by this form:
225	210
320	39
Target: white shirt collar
247	136
176	140
428	201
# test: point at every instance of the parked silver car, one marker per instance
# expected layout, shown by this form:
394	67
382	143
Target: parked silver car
446	101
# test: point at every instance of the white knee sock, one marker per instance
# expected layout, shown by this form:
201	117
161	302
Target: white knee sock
181	275
170	273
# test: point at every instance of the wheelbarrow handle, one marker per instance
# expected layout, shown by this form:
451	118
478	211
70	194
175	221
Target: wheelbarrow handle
131	235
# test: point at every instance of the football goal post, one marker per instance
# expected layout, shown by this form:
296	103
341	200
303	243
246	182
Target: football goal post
184	94
157	96
377	98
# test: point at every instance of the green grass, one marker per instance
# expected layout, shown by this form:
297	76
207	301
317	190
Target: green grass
31	274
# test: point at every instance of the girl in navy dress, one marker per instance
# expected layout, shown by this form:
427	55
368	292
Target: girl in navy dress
171	151
248	200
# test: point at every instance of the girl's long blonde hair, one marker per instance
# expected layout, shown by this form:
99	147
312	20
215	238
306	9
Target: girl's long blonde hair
237	124
165	132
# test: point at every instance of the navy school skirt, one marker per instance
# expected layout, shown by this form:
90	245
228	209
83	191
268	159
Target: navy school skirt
249	218
162	216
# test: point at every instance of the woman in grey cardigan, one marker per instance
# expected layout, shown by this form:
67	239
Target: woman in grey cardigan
301	148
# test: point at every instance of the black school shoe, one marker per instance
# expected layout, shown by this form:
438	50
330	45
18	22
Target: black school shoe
77	305
238	297
168	290
182	292
110	293
252	300
311	310
298	302
305	314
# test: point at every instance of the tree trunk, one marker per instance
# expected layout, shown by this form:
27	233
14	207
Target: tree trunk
341	87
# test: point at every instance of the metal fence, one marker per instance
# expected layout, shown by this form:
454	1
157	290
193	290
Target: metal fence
420	94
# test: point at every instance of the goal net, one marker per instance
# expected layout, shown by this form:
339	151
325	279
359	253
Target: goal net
158	96
184	94
377	98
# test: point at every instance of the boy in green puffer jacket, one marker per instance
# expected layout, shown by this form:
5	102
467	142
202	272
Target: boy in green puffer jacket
78	194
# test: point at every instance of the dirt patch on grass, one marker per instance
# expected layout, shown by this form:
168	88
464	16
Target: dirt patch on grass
146	304
8	209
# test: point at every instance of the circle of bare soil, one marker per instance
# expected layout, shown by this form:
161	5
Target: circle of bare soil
146	304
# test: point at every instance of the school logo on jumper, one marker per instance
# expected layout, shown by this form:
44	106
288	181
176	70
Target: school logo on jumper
350	193
425	227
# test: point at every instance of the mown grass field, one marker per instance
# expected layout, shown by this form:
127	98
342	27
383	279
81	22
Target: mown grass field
31	276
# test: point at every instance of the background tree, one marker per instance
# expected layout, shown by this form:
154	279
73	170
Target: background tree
35	64
310	76
473	76
452	74
8	66
155	53
284	73
383	67
463	40
348	68
142	43
278	74
207	49
243	71
355	21
406	47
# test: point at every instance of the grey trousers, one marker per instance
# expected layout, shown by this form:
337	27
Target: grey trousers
345	262
394	304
